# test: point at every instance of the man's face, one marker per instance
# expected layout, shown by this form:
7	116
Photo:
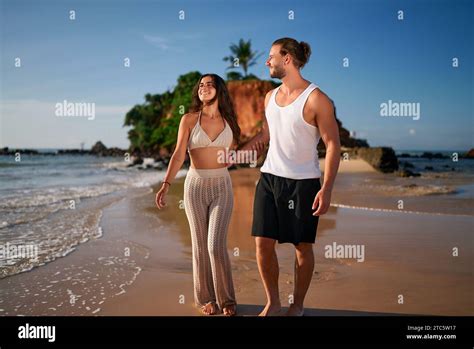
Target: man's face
275	63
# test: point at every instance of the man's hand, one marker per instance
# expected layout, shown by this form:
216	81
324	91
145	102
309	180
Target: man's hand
322	201
259	147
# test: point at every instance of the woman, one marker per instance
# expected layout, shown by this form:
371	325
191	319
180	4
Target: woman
208	198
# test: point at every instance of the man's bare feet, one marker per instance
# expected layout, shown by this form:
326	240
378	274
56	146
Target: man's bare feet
229	310
271	310
209	308
295	310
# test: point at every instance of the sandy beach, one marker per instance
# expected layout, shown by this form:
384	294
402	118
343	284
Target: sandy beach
141	265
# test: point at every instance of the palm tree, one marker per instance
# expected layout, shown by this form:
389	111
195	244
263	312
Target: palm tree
244	55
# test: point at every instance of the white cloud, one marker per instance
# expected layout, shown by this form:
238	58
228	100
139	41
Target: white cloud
157	41
173	42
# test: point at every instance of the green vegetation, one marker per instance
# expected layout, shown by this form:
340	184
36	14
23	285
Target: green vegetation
155	123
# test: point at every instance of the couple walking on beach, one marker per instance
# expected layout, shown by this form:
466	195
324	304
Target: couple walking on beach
289	197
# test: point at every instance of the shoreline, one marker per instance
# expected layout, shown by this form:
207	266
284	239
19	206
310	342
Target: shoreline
142	263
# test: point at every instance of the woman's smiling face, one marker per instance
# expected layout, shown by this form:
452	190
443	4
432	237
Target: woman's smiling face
207	90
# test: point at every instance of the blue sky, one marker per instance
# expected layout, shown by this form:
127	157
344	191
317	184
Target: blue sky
82	61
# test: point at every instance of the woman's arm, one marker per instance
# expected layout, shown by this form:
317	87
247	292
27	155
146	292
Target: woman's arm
179	154
176	161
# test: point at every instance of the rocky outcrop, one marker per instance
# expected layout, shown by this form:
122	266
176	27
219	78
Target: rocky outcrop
406	173
430	155
382	159
73	152
469	154
8	151
249	104
100	149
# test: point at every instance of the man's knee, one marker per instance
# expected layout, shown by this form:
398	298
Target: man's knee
304	250
265	246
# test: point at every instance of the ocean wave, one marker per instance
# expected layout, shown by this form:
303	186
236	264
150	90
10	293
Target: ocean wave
411	189
50	196
47	239
44	217
376	209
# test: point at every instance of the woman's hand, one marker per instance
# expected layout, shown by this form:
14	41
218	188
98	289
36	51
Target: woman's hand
160	196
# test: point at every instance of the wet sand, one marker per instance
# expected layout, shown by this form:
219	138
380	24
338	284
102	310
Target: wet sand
142	263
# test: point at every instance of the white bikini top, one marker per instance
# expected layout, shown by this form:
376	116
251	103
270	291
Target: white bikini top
199	138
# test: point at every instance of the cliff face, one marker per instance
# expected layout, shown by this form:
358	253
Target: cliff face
249	103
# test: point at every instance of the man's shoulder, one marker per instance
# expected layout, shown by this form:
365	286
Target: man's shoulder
269	93
317	97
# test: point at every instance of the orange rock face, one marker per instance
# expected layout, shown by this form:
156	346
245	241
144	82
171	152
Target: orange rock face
249	103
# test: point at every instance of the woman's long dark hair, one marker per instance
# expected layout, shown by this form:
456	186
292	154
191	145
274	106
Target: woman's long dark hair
225	105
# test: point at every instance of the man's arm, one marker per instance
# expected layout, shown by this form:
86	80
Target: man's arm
329	131
261	139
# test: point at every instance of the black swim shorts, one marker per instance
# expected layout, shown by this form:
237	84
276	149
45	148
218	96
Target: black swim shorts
283	211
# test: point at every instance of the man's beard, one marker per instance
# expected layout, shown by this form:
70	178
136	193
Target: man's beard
278	73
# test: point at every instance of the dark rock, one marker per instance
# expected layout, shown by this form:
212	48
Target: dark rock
404	155
412	185
99	148
7	151
381	158
114	151
406	173
430	155
407	164
73	152
137	161
469	154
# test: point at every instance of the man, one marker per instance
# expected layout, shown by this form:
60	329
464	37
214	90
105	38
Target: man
297	115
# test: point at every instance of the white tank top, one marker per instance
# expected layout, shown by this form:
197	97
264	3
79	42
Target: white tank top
293	149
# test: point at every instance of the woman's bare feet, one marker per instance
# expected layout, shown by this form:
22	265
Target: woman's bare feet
271	310
229	310
209	308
